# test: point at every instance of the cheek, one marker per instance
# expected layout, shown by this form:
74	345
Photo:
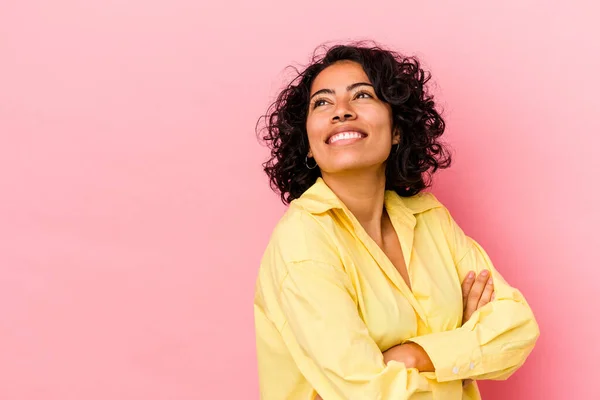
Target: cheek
378	116
385	118
314	129
385	127
311	137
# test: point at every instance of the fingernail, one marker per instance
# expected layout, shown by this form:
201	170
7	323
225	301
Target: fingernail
471	274
485	272
493	295
490	281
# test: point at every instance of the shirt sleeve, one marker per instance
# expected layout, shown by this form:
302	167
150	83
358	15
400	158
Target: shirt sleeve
331	344
498	337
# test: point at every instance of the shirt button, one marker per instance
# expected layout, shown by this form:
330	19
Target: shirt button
455	370
472	365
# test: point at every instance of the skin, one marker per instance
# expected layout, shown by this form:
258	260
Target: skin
354	171
343	100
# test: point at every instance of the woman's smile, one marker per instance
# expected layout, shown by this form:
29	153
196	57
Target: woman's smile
345	138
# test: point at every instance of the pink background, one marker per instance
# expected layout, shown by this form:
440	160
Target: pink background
134	211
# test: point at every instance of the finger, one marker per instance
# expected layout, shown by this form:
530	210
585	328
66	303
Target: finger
486	296
476	291
467	285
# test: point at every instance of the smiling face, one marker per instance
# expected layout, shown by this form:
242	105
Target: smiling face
348	127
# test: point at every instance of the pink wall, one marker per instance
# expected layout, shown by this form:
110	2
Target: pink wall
134	211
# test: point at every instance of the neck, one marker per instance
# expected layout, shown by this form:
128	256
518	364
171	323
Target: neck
363	194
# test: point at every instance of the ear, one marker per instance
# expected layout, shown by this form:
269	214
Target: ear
310	154
396	136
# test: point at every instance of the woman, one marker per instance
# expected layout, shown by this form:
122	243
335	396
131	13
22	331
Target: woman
368	289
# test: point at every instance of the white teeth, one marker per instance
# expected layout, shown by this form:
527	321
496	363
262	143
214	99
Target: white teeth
345	136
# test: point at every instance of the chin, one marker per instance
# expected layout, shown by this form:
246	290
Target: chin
353	162
352	167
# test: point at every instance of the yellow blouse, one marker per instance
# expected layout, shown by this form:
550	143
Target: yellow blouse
328	302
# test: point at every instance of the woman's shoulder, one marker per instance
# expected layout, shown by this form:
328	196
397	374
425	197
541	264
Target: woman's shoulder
293	223
422	202
300	235
425	206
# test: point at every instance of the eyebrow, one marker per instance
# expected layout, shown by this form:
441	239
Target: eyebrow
348	88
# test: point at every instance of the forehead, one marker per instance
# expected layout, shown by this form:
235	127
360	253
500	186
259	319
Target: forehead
339	75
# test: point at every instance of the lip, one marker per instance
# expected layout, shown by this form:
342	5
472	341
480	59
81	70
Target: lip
344	128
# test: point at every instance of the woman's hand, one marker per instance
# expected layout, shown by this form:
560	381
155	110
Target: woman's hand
411	354
476	292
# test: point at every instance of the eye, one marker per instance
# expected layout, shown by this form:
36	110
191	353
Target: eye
363	95
319	102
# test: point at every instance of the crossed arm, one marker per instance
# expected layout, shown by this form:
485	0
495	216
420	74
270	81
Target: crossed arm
477	291
476	294
339	358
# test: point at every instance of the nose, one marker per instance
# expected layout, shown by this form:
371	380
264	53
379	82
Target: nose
342	113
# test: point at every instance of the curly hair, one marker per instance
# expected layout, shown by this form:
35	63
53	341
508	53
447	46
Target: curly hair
399	81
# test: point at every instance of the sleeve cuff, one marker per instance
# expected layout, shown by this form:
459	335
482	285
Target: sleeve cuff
455	354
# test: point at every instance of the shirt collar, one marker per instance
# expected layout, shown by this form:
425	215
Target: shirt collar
319	198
